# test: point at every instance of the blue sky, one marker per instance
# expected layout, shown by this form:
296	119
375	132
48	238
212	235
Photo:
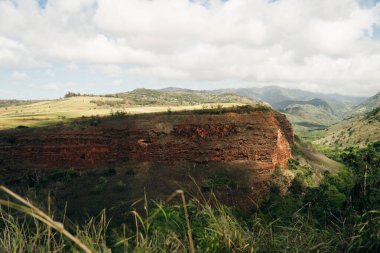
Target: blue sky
104	46
368	3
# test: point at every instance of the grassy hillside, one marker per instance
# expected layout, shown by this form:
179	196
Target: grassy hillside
14	113
368	105
319	103
309	116
357	130
53	111
178	97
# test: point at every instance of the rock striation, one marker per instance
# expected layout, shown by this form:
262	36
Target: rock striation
263	138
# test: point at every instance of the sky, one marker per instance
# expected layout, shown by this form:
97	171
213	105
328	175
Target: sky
49	47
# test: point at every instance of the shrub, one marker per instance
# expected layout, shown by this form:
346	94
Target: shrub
100	186
109	172
118	114
71	94
219	181
298	185
120	186
94	121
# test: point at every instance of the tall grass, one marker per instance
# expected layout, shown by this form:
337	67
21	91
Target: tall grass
182	226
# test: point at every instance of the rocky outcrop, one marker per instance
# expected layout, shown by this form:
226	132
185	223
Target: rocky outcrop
261	137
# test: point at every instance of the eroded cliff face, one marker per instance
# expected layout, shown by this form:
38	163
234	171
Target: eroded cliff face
262	138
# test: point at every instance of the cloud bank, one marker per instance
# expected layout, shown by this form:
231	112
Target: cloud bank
320	45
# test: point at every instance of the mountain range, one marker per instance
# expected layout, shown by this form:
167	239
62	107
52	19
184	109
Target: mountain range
306	110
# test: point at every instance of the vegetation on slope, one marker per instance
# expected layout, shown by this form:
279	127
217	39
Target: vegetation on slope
62	110
15	102
170	96
157	97
354	131
307	116
314	102
341	214
369	105
75	105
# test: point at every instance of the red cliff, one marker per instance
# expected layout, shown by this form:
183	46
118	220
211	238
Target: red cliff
261	137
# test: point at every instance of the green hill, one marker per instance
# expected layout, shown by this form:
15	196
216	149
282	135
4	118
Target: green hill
178	97
357	130
368	105
309	117
316	102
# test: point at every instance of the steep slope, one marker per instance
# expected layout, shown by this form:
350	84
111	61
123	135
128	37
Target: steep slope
368	105
262	137
314	102
156	154
309	116
358	130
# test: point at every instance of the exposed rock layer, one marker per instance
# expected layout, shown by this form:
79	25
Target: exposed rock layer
261	137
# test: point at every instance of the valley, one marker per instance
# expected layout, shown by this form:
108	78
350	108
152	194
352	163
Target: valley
129	152
189	126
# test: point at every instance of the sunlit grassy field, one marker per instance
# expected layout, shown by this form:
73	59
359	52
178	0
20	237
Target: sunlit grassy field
46	112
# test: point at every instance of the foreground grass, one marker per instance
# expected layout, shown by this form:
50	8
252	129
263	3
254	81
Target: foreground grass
164	228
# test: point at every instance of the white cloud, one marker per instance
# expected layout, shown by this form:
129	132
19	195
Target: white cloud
117	82
306	44
20	76
59	85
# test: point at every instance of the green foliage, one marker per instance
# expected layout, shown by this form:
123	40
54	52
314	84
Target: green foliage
296	150
119	114
72	94
364	166
100	186
120	186
94	121
298	186
236	109
185	97
283	224
218	181
109	172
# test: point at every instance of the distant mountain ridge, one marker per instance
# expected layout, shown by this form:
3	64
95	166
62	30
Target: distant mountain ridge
276	95
305	109
341	105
